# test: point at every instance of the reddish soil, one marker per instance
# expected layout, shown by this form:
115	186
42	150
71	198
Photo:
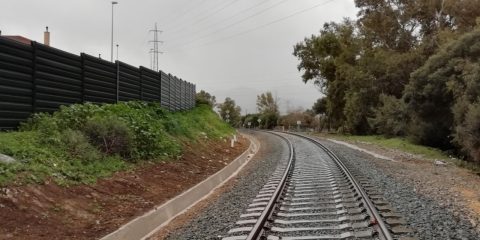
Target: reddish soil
50	211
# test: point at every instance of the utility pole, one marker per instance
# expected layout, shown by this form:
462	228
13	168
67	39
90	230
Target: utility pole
155	49
111	43
117	51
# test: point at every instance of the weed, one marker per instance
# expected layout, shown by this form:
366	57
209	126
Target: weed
78	146
83	142
110	135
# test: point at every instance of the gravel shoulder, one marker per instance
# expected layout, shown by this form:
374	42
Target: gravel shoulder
438	202
213	217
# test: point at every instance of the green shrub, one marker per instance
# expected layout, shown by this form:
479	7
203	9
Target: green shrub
45	126
467	133
356	111
109	135
390	117
78	146
83	142
440	92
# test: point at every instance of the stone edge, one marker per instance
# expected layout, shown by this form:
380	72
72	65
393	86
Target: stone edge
146	225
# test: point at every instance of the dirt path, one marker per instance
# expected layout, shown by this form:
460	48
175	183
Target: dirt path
50	211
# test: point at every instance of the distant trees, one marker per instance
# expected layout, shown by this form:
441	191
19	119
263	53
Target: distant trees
267	107
251	118
229	110
306	118
402	68
204	97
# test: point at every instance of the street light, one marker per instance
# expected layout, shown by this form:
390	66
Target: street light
117	52
111	45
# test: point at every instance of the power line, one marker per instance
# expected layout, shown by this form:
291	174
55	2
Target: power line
192	20
185	12
226	19
207	16
232	24
259	27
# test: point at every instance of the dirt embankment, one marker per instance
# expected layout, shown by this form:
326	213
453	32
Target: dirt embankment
50	211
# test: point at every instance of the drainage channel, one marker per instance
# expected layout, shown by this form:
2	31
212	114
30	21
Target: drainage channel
311	196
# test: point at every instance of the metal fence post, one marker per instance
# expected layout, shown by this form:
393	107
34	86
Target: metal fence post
141	83
82	60
34	76
118	80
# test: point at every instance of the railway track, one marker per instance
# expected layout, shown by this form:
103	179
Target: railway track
313	195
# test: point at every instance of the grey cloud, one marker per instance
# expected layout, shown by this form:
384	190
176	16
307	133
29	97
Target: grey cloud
239	67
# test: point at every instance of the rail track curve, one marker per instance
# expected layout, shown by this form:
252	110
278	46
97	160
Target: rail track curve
311	195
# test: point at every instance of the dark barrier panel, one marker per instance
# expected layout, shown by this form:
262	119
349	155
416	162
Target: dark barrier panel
190	97
187	99
187	95
182	95
194	93
39	78
151	85
57	78
16	86
129	87
165	98
172	92
99	80
177	94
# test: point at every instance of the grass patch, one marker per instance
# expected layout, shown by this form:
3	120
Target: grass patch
395	143
404	145
84	142
38	161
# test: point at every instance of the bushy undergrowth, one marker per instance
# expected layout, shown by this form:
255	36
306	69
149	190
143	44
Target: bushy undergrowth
83	142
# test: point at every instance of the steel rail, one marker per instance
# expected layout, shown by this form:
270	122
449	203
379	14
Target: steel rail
377	219
258	229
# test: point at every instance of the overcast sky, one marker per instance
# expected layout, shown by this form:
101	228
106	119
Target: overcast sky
230	48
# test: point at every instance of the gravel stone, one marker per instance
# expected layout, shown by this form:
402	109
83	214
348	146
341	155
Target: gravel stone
428	217
220	216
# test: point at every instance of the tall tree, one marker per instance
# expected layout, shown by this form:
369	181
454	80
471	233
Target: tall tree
333	61
320	106
267	106
204	97
443	97
231	112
